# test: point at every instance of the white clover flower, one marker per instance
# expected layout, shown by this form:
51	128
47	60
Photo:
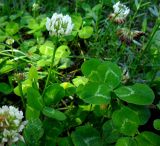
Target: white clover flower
120	13
59	25
121	10
11	124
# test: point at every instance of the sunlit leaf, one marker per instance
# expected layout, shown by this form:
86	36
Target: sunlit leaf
77	21
33	74
25	84
85	32
69	88
79	80
12	28
47	48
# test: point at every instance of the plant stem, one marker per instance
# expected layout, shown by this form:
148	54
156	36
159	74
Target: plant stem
12	50
152	35
76	8
21	93
148	44
153	77
64	103
156	27
50	69
132	19
20	58
119	50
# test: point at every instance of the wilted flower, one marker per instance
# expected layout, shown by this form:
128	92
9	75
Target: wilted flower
126	35
59	25
11	124
120	13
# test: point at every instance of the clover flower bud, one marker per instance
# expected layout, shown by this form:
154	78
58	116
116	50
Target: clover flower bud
59	25
9	41
120	13
19	76
35	6
125	75
11	125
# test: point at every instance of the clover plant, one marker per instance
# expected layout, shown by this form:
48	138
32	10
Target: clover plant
79	73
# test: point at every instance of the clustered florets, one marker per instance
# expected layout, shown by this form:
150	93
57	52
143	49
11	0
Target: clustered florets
121	10
120	13
126	35
11	124
59	25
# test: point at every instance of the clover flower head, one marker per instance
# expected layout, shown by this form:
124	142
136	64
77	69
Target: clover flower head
121	11
11	124
127	36
59	25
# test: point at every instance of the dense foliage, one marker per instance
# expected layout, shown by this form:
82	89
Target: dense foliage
85	73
